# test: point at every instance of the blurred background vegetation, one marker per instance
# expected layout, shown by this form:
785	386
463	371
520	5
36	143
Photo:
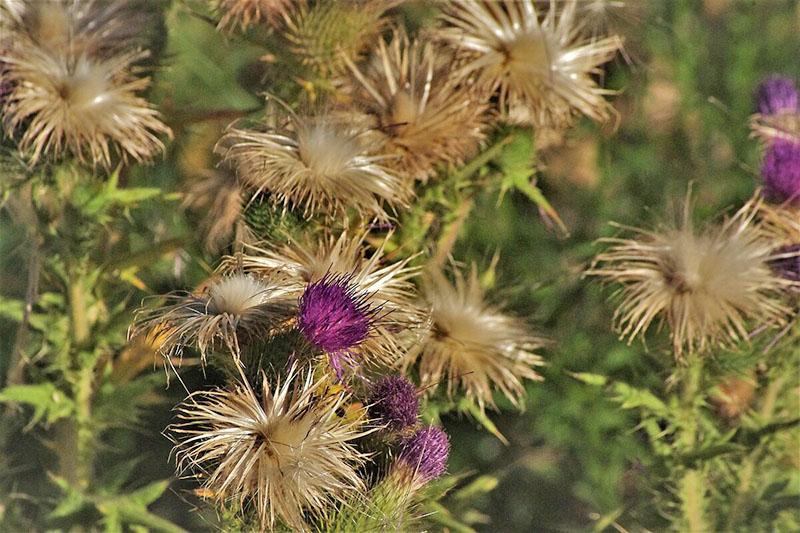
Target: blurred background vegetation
574	460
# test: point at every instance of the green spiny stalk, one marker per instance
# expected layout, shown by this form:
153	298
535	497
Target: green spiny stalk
692	489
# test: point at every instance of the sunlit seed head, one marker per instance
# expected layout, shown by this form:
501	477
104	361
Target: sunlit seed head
473	345
385	284
707	285
228	310
237	295
317	165
284	453
781	171
420	112
539	61
69	73
393	403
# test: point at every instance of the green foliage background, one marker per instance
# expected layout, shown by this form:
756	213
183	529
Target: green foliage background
576	460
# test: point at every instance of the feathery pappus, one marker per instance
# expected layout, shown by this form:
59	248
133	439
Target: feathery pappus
375	283
422	115
246	13
318	165
73	86
542	65
473	345
228	309
284	452
707	285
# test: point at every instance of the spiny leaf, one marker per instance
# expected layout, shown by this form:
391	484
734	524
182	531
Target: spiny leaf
45	398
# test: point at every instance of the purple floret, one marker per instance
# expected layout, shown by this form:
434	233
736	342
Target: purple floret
788	265
335	317
427	452
781	171
394	403
777	94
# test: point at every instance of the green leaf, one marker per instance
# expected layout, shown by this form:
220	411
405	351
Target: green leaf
439	514
468	406
46	399
516	164
478	486
630	397
149	493
12	309
72	501
591	379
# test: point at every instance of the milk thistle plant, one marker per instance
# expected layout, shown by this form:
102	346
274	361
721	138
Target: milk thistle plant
248	302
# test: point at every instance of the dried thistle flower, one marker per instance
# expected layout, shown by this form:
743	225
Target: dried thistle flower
387	286
335	317
706	285
72	88
286	454
326	31
316	164
217	194
474	345
247	13
219	314
781	171
541	64
420	113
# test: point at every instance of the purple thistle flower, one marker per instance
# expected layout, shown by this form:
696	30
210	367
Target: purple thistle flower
393	402
787	265
426	452
781	171
335	317
776	94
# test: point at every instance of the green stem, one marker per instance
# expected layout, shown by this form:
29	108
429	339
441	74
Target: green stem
743	497
80	438
484	157
692	485
77	311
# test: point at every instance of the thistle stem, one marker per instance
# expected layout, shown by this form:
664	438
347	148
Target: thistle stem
692	484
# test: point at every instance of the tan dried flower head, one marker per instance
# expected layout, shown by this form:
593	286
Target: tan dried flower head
217	194
706	285
283	455
246	13
540	63
783	221
473	345
318	165
72	87
227	308
387	286
325	31
420	113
